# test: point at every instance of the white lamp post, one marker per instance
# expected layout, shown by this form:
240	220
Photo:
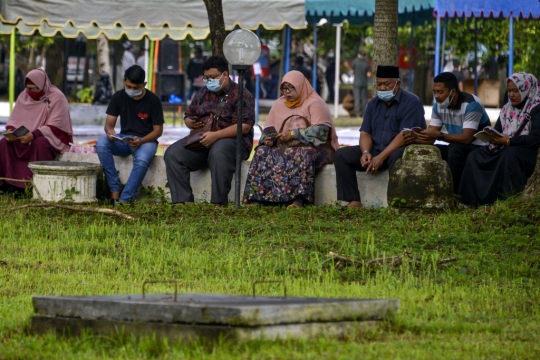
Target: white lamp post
241	48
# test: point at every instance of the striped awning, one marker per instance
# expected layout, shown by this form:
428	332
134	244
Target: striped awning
138	18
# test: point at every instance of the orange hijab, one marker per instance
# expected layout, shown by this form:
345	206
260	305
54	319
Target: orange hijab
309	105
51	109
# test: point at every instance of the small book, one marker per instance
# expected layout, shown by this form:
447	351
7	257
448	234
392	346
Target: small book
484	134
412	131
270	131
13	134
123	137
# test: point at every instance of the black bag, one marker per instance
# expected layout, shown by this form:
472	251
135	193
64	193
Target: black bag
193	140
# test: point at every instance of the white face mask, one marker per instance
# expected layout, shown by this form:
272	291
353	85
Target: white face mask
134	93
446	103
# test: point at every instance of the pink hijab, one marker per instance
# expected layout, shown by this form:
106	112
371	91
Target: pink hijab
312	108
51	109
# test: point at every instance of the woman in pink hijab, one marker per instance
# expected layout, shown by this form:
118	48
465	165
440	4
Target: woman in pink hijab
299	138
42	109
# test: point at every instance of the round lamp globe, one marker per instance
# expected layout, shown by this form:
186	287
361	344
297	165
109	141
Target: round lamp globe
242	47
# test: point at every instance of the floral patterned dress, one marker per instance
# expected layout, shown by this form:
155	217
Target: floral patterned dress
280	174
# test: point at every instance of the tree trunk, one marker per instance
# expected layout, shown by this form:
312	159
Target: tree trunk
86	74
103	64
532	189
385	34
214	8
30	65
55	62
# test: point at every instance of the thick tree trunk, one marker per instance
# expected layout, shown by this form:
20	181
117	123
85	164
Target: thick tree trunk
103	64
532	189
385	34
214	8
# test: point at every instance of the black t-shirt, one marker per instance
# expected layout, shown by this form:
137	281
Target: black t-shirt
137	117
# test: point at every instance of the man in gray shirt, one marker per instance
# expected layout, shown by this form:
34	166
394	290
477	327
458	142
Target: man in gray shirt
361	70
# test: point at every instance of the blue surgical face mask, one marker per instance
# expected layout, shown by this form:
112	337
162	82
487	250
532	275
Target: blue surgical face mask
387	95
133	93
213	84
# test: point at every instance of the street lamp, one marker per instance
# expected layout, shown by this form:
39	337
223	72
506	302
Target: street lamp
241	48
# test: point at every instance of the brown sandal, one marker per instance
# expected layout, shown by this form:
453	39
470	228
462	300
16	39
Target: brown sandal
293	206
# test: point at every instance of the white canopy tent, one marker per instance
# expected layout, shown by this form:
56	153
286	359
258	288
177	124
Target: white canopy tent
138	19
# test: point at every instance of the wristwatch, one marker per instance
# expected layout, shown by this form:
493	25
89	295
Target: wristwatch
441	136
366	152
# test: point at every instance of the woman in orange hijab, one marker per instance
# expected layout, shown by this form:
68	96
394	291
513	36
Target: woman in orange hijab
299	138
42	109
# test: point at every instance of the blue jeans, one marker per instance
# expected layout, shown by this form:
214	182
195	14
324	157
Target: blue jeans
142	156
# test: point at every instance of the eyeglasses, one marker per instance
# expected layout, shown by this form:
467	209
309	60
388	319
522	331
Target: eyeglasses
32	89
206	79
514	91
286	89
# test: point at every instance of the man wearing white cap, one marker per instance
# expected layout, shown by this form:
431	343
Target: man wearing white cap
128	59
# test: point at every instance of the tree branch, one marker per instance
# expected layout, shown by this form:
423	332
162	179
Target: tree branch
77	208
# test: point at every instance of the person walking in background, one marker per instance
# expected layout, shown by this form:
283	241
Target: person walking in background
128	59
195	72
330	74
140	59
299	66
458	74
103	91
141	124
362	71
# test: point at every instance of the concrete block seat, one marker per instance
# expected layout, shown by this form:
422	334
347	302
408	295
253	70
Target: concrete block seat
372	188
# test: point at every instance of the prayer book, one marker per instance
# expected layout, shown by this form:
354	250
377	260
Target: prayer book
270	131
123	137
13	134
412	131
484	134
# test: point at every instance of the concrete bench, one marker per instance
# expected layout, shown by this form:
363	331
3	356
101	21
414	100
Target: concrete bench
372	188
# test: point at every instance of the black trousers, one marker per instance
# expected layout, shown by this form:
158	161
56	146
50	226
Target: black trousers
220	159
456	155
347	163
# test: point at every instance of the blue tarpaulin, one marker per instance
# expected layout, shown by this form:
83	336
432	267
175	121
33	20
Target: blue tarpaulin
360	11
487	8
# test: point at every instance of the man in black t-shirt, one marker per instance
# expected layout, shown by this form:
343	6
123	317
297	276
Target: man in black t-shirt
141	124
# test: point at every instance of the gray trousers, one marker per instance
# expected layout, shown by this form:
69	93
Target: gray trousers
360	99
220	159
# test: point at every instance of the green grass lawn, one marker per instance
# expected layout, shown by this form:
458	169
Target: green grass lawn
484	305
